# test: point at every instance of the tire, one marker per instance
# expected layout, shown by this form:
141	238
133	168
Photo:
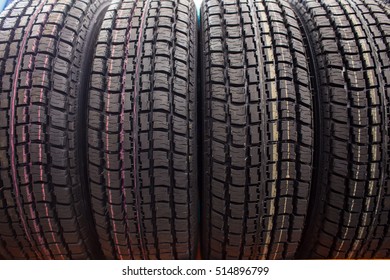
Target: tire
349	212
144	206
44	60
258	130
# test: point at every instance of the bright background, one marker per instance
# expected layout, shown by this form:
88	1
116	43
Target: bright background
198	3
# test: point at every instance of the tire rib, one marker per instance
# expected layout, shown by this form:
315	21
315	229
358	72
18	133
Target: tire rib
135	131
122	132
192	110
144	103
372	42
258	115
18	198
170	133
261	89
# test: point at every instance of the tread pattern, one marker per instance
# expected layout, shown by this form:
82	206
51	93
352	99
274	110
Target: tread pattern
380	244
144	192
258	130
42	210
351	44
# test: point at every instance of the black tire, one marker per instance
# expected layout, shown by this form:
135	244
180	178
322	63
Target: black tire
349	213
144	105
44	57
258	130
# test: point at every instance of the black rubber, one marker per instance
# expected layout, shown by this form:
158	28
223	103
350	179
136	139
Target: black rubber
349	211
258	130
44	210
142	131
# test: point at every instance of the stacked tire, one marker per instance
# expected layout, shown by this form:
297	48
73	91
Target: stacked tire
97	130
258	130
125	131
44	54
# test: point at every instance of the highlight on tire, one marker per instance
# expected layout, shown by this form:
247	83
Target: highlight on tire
44	61
257	128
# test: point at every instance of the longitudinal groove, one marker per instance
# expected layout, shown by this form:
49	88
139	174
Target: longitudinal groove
170	133
108	164
41	171
296	63
150	134
275	193
207	180
18	198
229	133
345	216
259	250
107	67
381	249
118	253
376	12
258	117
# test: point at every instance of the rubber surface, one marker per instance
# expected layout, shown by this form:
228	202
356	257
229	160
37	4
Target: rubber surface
141	131
349	215
43	55
258	130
